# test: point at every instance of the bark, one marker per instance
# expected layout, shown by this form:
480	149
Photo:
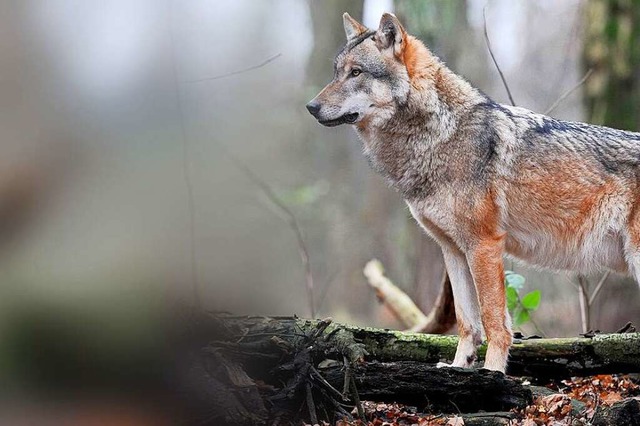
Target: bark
443	389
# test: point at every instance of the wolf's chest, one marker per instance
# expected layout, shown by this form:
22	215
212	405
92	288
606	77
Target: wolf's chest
408	168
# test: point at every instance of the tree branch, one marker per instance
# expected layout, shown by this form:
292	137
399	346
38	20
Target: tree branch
288	217
495	62
569	92
242	71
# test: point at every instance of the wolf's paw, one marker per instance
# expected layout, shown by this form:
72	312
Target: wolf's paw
443	365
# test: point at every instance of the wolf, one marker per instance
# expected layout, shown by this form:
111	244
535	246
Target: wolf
485	179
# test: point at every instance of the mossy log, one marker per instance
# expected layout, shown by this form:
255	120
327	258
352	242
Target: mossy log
280	369
248	370
538	358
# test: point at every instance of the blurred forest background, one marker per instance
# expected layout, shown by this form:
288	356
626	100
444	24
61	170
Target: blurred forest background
118	193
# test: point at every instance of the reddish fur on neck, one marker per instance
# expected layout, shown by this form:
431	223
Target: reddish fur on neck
420	63
426	70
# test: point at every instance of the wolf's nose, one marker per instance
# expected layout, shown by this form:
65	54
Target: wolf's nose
313	107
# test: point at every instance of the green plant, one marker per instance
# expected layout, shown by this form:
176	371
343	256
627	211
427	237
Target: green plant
520	308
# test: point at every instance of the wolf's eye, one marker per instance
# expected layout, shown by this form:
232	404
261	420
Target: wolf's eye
355	72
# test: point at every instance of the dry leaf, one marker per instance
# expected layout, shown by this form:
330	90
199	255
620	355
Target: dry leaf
455	421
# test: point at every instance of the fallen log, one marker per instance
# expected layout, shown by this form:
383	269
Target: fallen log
434	389
254	370
247	370
538	358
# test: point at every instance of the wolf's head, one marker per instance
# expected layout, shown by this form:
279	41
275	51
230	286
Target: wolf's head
371	74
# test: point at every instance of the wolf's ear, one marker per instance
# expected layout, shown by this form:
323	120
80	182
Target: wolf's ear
391	36
352	28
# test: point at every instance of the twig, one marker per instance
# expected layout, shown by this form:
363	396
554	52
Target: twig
457	408
598	287
242	71
289	218
356	398
573	35
325	289
347	376
569	92
186	154
539	330
584	302
185	168
328	386
570	281
311	406
495	62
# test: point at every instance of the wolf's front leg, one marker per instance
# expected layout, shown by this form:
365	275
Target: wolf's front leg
467	308
485	261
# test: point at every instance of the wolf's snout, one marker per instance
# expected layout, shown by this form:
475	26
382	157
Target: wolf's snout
314	108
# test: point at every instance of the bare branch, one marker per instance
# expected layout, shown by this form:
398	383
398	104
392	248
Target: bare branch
569	92
185	166
186	154
495	62
570	281
584	302
287	215
325	289
242	71
311	406
537	327
598	287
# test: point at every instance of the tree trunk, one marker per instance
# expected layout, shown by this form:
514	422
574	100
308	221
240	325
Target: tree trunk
612	51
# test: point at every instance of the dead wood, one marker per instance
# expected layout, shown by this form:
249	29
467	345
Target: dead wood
436	389
442	316
257	370
538	358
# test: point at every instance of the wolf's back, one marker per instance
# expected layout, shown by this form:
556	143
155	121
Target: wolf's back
612	151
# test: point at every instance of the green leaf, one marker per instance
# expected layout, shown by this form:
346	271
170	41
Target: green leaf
512	298
514	280
306	194
521	317
531	300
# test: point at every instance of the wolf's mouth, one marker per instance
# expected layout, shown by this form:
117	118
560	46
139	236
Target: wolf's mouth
345	119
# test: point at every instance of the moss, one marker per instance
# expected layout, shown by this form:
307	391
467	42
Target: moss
539	357
618	347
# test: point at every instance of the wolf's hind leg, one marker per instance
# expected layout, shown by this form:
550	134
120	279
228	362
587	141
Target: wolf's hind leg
632	245
467	308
